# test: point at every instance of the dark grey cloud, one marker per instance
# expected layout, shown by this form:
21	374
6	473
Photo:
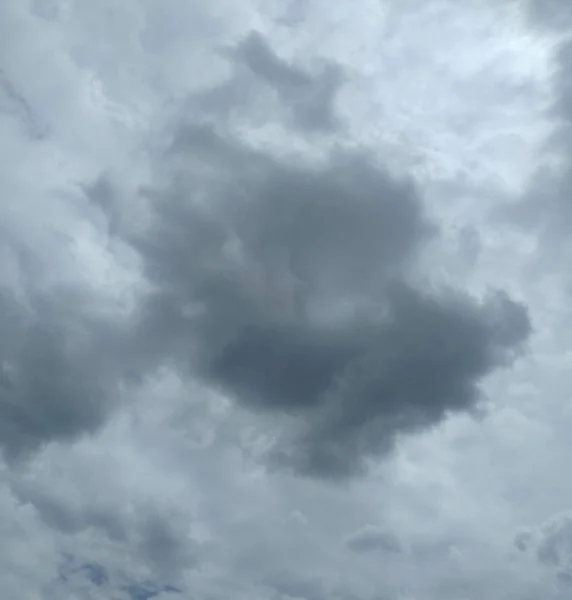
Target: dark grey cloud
289	283
423	362
286	283
289	290
60	375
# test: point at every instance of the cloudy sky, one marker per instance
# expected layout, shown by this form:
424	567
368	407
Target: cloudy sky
285	299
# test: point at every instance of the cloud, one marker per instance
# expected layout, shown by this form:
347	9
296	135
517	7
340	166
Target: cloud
95	581
291	291
158	536
266	89
286	283
551	545
552	13
310	97
543	207
59	368
216	293
371	539
12	102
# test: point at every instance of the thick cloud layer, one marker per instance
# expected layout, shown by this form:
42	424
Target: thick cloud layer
286	284
235	267
283	282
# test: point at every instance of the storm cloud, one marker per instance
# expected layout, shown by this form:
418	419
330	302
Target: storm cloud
287	284
262	332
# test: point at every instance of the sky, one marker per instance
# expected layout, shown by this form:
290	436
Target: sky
285	299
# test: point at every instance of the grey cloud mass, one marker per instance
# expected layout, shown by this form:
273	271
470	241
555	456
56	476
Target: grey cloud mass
290	290
285	284
250	302
59	368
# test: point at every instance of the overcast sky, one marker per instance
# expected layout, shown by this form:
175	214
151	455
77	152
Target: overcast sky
285	299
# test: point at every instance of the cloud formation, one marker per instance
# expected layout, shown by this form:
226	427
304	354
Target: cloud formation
543	207
60	375
308	99
550	544
371	539
290	290
283	282
240	261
